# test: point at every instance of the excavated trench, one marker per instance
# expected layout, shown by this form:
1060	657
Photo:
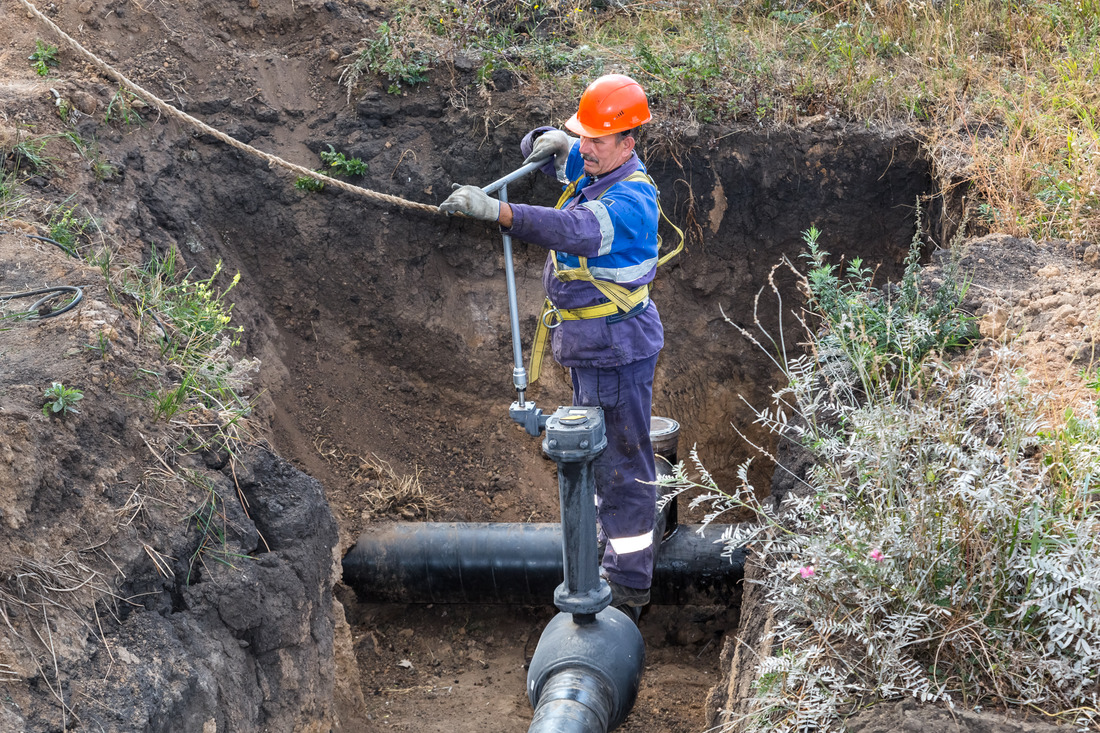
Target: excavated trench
384	333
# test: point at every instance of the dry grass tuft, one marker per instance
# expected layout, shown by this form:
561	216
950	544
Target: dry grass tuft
386	491
34	598
391	493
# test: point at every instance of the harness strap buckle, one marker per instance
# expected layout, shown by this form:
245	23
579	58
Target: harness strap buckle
551	317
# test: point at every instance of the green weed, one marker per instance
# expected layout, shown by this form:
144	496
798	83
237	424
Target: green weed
11	200
192	320
65	110
29	155
101	346
883	334
341	165
89	150
305	183
168	402
210	520
60	400
1070	451
1091	379
67	228
43	58
122	108
391	55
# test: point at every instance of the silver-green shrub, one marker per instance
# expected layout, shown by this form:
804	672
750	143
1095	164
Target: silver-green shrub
945	545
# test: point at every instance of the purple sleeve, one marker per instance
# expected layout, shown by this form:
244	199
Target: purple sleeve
528	142
574	230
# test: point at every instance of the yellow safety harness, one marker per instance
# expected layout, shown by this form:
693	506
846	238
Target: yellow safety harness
622	299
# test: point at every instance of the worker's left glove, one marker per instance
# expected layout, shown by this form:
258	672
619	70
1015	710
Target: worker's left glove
471	201
556	143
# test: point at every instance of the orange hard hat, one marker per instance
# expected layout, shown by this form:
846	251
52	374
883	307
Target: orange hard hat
612	103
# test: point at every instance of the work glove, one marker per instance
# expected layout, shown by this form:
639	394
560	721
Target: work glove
471	201
556	143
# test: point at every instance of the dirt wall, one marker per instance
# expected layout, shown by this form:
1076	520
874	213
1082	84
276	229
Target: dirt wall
416	303
147	584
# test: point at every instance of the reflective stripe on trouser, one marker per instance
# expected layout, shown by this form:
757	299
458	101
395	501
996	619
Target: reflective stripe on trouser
626	505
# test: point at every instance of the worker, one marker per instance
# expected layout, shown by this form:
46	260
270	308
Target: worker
603	244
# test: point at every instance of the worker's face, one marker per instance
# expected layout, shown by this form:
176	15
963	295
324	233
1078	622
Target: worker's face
605	154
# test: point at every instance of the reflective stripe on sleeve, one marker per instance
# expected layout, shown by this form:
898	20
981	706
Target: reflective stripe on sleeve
607	229
624	545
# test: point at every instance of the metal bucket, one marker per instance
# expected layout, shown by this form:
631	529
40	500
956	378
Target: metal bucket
664	433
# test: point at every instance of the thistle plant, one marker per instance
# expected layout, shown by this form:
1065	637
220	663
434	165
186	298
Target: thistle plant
945	543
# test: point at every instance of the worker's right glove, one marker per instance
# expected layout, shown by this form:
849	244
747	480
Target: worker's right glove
556	143
471	201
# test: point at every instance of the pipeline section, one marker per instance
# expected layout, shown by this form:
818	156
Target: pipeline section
584	678
586	670
520	563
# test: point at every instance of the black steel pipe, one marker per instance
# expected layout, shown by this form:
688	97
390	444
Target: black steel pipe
518	563
584	678
572	701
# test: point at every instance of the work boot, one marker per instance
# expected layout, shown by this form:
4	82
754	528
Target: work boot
629	600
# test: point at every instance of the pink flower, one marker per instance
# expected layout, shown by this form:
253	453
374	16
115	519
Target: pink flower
807	572
877	555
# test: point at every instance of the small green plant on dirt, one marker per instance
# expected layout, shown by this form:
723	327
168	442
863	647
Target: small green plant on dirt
11	200
89	150
1070	447
168	402
390	54
29	155
312	185
1091	379
122	108
43	58
341	165
100	168
67	227
101	345
60	400
65	110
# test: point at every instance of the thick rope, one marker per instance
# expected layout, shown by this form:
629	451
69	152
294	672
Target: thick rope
170	111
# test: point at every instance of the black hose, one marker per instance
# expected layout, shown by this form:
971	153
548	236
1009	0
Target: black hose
62	247
51	293
36	310
59	245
